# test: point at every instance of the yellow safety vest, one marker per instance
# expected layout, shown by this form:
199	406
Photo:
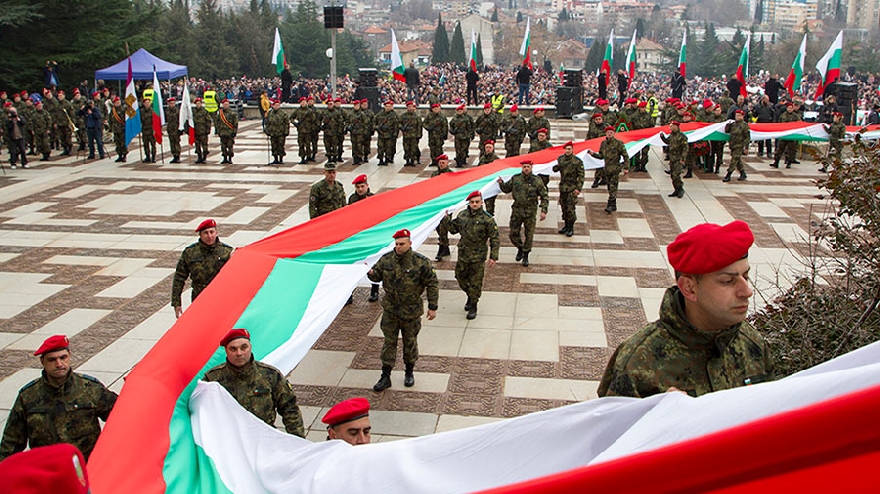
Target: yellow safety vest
148	93
654	105
210	99
498	102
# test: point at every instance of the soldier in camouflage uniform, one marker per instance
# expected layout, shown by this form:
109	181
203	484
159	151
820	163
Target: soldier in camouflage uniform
61	406
514	127
27	113
202	122
476	228
462	129
487	126
117	127
716	156
411	128
677	145
528	192
41	124
836	134
488	155
644	120
597	130
701	343
740	136
62	118
50	104
725	101
361	192
443	226
78	102
609	116
313	133
227	128
326	195
691	158
387	126
259	388
571	181
613	153
405	274
538	121
361	130
305	119
147	136
278	128
438	128
787	147
200	262
333	125
434	97
541	142
172	128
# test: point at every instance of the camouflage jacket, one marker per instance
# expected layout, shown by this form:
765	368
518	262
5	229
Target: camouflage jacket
43	414
669	114
671	353
387	124
324	198
677	145
739	134
462	126
611	151
538	123
355	197
514	126
262	390
439	171
172	120
201	263
436	125
40	121
147	120
277	123
571	173
411	125
537	145
488	158
226	123
360	123
306	119
488	125
630	116
116	119
596	130
202	121
836	132
645	120
333	121
476	228
528	191
405	278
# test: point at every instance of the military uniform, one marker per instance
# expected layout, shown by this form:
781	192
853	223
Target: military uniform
514	128
411	127
79	121
571	171
443	226
476	228
613	153
485	159
387	125
836	135
677	146
528	192
201	263
438	128
644	121
487	126
361	124
740	136
463	129
227	129
50	104
202	122
717	154
26	112
43	414
333	125
172	128
262	390
40	124
278	128
117	127
149	140
61	118
596	131
670	352
536	123
324	198
786	147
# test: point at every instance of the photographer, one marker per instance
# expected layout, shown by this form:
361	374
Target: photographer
15	132
92	116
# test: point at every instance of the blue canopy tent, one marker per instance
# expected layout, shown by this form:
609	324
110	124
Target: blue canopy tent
142	63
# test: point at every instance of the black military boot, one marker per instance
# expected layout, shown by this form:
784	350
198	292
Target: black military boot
384	381
408	379
472	313
775	163
525	259
612	206
742	176
45	157
788	163
564	229
717	166
442	251
468	304
519	254
727	177
176	159
674	193
680	193
374	293
569	229
689	174
595	182
303	161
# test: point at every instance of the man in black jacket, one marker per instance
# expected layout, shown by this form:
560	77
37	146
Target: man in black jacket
771	89
765	113
523	78
411	76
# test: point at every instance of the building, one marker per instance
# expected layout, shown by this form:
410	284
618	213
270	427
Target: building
789	14
569	53
650	57
482	28
863	14
418	52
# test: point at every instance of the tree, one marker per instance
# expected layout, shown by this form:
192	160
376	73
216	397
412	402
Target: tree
563	15
216	58
456	48
440	51
308	41
494	15
519	17
176	28
480	49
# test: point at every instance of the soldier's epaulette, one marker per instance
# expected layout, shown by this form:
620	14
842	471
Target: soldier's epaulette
267	366
90	378
487	214
30	384
420	256
192	244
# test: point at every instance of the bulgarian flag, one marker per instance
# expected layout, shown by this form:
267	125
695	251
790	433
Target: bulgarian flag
525	48
158	109
742	70
396	62
186	115
793	81
278	57
132	109
631	60
472	58
829	64
561	74
682	55
608	61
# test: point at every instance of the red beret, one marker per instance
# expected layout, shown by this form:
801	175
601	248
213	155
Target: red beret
674	122
46	90
542	130
514	107
739	112
837	114
57	468
365	101
171	99
435	105
2	93
389	102
443	157
60	92
116	98
460	107
76	90
225	100
360	179
473	194
536	110
526	162
7	104
609	127
346	411
630	101
404	233
597	115
310	98
53	344
489	141
601	101
197	100
302	98
675	100
707	103
569	143
38	102
234	334
208	223
410	103
790	103
24	93
487	105
708	247
643	104
338	100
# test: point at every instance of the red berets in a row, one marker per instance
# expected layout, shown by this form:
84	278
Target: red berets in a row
53	344
346	411
235	334
708	247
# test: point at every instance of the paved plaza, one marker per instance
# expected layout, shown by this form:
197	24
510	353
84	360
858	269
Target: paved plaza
88	249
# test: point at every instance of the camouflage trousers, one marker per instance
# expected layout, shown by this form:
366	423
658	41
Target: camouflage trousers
391	327
470	278
717	156
642	161
788	148
363	146
435	144
461	150
443	232
149	143
525	219
277	142
736	153
512	145
690	159
612	178
835	149
304	144
386	146
568	201
41	142
119	141
675	171
490	205
227	143
81	137
313	142
64	135
174	143
411	149
202	144
332	144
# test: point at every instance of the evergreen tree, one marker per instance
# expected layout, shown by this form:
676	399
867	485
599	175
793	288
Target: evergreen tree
519	17
440	52
480	49
707	60
308	41
216	57
596	53
495	15
456	48
563	15
176	29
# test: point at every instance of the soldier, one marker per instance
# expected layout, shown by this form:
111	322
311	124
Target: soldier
227	128
643	121
78	102
487	126
487	156
405	274
41	124
691	157
571	182
613	153
597	130
333	125
326	195
836	134
172	128
787	147
716	156
725	101
677	145
528	192
462	129
434	97
297	118
50	104
541	141
702	342
609	117
313	132
411	127
438	128
117	126
61	406
361	192
278	127
476	228
387	125
62	122
629	114
27	113
538	121
147	136
202	126
361	131
740	136
200	261
443	226
259	388
514	127
350	117
349	421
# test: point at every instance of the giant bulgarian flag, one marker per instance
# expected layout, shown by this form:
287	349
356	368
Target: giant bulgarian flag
682	55
132	109
472	53
793	81
158	109
631	61
396	62
608	59
742	70
525	47
278	57
829	64
171	433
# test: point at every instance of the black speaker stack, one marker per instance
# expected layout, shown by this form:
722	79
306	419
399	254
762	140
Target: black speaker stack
847	94
572	78
333	18
569	101
368	87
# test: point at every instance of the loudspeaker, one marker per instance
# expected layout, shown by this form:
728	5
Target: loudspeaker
847	94
573	78
569	101
371	93
367	77
333	18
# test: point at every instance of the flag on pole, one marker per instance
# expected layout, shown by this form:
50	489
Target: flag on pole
631	60
278	57
561	73
132	110
829	64
742	70
793	81
186	116
158	109
396	61
525	48
608	61
472	61
682	55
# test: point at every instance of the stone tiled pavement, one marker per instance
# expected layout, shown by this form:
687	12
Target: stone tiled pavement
88	248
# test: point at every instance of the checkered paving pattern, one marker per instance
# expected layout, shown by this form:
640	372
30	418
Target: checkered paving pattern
88	248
